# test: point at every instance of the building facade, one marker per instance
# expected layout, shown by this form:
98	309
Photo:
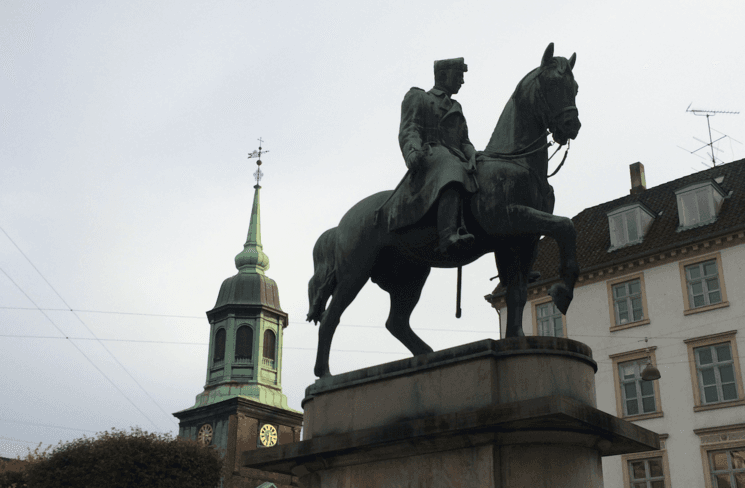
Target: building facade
242	406
662	285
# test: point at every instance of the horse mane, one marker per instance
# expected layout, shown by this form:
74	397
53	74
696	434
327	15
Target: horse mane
503	137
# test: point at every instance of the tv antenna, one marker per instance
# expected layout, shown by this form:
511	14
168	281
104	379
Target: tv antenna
707	114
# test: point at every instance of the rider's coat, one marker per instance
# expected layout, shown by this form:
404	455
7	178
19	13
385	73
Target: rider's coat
434	123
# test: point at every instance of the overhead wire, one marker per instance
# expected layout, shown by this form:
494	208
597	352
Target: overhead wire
88	329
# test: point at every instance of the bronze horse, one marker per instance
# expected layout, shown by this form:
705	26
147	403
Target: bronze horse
508	215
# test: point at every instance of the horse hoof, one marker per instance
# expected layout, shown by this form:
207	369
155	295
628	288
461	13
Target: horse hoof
562	297
321	372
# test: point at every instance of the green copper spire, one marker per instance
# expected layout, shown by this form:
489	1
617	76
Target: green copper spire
253	259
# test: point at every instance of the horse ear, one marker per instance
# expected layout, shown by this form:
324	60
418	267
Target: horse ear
572	60
548	55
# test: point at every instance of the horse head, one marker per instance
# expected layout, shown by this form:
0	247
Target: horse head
556	91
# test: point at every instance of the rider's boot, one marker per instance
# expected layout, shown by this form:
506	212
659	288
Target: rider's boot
453	234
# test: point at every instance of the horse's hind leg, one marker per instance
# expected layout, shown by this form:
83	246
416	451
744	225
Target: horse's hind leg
344	293
513	263
404	284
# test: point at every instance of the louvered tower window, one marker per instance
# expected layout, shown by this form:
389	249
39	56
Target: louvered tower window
244	339
270	343
219	355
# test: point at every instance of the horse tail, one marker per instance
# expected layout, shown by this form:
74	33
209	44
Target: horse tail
323	282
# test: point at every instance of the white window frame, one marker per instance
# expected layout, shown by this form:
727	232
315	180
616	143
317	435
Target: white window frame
704	280
549	320
730	469
637	211
715	366
648	479
628	298
706	191
637	380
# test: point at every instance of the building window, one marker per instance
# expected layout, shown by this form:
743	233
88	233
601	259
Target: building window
270	341
715	371
698	204
727	468
646	473
647	469
547	319
627	302
636	399
628	225
702	281
638	395
244	339
703	284
219	350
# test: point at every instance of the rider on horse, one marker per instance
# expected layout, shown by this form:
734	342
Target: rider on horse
442	161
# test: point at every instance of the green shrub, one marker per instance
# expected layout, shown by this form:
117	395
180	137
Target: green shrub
119	460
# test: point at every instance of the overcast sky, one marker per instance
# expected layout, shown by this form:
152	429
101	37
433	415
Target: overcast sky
124	130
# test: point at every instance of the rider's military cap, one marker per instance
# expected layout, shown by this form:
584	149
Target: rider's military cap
455	63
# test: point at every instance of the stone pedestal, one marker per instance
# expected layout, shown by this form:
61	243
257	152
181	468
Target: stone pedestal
511	413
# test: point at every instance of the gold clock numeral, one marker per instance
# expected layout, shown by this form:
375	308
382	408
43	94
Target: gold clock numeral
268	435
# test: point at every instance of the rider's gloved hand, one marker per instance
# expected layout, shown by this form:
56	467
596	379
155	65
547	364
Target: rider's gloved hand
415	160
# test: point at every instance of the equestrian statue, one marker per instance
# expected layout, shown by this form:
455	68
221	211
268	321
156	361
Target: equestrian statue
455	204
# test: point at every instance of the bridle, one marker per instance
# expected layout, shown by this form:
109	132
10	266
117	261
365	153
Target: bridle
548	121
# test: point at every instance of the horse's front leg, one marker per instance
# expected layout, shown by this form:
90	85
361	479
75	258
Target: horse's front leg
527	220
513	274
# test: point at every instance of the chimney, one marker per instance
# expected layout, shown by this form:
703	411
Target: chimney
638	181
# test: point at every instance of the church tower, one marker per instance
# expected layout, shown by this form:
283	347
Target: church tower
242	406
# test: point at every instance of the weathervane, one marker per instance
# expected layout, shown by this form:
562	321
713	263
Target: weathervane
257	154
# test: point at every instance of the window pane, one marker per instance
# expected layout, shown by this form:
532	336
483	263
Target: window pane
558	327
619	291
542	311
630	389
655	467
703	197
704	355
631	225
740	480
697	288
632	408
628	370
708	376
712	284
715	297
727	374
647	388
618	230
694	272
723	352
689	208
729	392
710	394
698	301
723	481
637	470
635	287
658	484
648	404
719	460
738	459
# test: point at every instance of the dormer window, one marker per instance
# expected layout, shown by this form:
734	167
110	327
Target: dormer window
698	204
628	225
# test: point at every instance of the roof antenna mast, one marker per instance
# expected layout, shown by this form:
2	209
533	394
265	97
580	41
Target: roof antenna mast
708	113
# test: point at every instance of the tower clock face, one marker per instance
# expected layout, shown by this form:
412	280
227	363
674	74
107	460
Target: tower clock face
204	435
268	435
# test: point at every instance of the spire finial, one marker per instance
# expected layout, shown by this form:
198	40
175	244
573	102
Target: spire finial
257	154
253	259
